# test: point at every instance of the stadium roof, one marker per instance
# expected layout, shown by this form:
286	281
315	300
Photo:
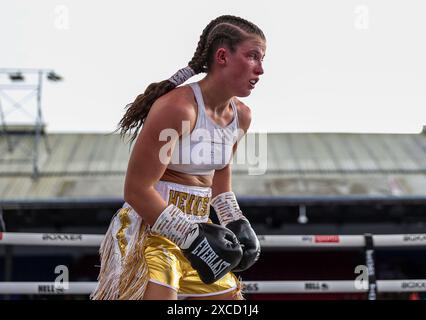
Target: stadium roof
91	167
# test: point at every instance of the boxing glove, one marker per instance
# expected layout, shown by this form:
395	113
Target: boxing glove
231	217
212	250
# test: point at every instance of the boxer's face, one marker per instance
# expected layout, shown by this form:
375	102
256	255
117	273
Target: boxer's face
244	66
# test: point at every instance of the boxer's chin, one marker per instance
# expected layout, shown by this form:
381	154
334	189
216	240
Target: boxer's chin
245	93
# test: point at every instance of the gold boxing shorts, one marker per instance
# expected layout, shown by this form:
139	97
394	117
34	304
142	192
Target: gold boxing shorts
131	255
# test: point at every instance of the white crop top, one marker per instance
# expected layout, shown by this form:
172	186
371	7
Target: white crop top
209	146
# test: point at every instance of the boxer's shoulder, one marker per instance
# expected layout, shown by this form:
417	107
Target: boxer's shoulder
244	114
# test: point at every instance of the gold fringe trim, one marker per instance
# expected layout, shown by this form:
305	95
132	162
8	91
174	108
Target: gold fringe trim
239	291
108	279
123	215
134	278
122	278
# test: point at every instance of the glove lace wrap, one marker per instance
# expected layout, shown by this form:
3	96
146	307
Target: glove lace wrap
227	208
175	226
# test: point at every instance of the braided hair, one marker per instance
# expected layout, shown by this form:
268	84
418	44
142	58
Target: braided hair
225	30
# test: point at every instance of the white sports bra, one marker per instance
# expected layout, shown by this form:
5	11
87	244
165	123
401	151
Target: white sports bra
209	146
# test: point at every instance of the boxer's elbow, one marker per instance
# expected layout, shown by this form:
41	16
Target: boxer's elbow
135	193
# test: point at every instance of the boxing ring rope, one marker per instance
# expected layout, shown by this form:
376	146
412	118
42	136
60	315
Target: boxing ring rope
332	286
368	242
266	241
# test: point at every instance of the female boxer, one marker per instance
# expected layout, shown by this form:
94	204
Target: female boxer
161	243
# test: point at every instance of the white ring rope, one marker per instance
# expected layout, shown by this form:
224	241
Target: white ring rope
266	241
251	287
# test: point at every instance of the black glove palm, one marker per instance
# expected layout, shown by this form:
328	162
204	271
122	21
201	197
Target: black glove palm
249	243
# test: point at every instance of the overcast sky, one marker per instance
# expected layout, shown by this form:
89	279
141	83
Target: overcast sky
330	65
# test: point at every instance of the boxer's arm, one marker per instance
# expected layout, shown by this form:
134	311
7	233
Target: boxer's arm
150	156
227	208
222	179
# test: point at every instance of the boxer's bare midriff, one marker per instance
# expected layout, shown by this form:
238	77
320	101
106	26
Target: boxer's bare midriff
187	179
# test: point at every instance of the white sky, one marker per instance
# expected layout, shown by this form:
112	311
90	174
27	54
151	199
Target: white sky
330	66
